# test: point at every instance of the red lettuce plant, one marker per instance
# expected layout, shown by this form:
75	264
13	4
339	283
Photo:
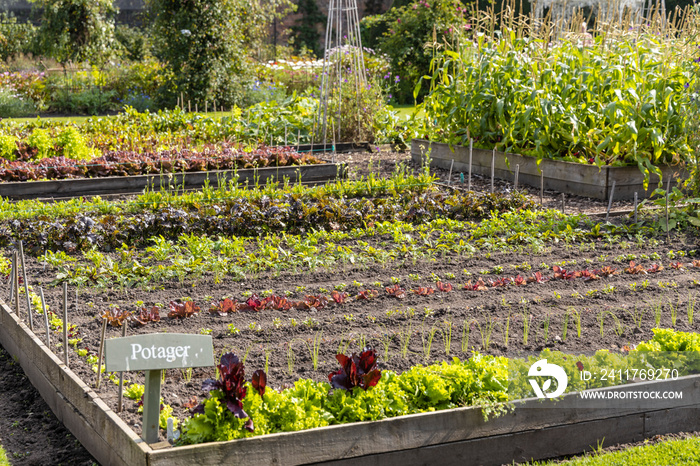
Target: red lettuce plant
478	285
424	291
396	291
223	307
356	371
444	287
147	315
339	297
607	271
635	269
315	301
254	303
280	303
232	384
182	309
537	277
588	275
115	317
367	294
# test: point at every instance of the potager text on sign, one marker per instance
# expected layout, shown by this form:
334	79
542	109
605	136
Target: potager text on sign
158	351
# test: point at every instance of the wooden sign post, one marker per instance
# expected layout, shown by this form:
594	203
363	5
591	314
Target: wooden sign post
153	353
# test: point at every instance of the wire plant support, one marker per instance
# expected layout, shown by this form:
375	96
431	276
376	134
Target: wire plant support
344	74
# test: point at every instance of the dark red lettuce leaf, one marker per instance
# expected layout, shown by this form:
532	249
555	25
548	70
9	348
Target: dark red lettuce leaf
259	381
356	371
231	382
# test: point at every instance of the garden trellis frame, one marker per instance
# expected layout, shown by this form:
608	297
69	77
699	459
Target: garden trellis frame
342	39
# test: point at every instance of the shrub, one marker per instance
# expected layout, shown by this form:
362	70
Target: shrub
134	42
12	105
92	101
405	33
15	38
77	30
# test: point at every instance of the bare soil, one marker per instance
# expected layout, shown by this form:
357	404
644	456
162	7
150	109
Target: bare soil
415	329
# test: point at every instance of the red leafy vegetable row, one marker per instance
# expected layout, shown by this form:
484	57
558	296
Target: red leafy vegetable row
124	163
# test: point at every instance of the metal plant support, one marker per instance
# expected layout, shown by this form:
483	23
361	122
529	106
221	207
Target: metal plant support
343	69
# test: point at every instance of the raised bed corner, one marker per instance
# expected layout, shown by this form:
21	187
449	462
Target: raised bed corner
458	436
566	177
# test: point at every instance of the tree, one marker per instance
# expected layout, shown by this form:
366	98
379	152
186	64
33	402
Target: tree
204	44
77	30
407	38
306	31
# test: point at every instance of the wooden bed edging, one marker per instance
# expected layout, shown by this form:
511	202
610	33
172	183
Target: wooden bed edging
76	405
134	184
456	436
561	176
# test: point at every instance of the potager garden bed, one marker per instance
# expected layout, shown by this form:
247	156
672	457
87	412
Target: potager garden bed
338	311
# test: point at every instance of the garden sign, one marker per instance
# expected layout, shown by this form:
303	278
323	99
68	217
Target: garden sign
153	353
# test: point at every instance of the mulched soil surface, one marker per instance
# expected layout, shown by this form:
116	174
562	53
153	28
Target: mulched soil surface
494	319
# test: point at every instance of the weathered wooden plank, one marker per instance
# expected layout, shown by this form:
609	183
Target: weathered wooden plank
99	429
629	180
419	430
519	447
126	184
683	419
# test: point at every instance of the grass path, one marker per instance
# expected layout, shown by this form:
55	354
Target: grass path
3	457
677	452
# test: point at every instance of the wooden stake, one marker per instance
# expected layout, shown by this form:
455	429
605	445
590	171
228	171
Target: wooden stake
151	406
189	106
120	403
469	183
46	317
99	357
668	188
635	207
16	277
26	287
196	108
12	280
610	201
449	177
517	173
493	167
541	187
563	203
65	324
206	107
